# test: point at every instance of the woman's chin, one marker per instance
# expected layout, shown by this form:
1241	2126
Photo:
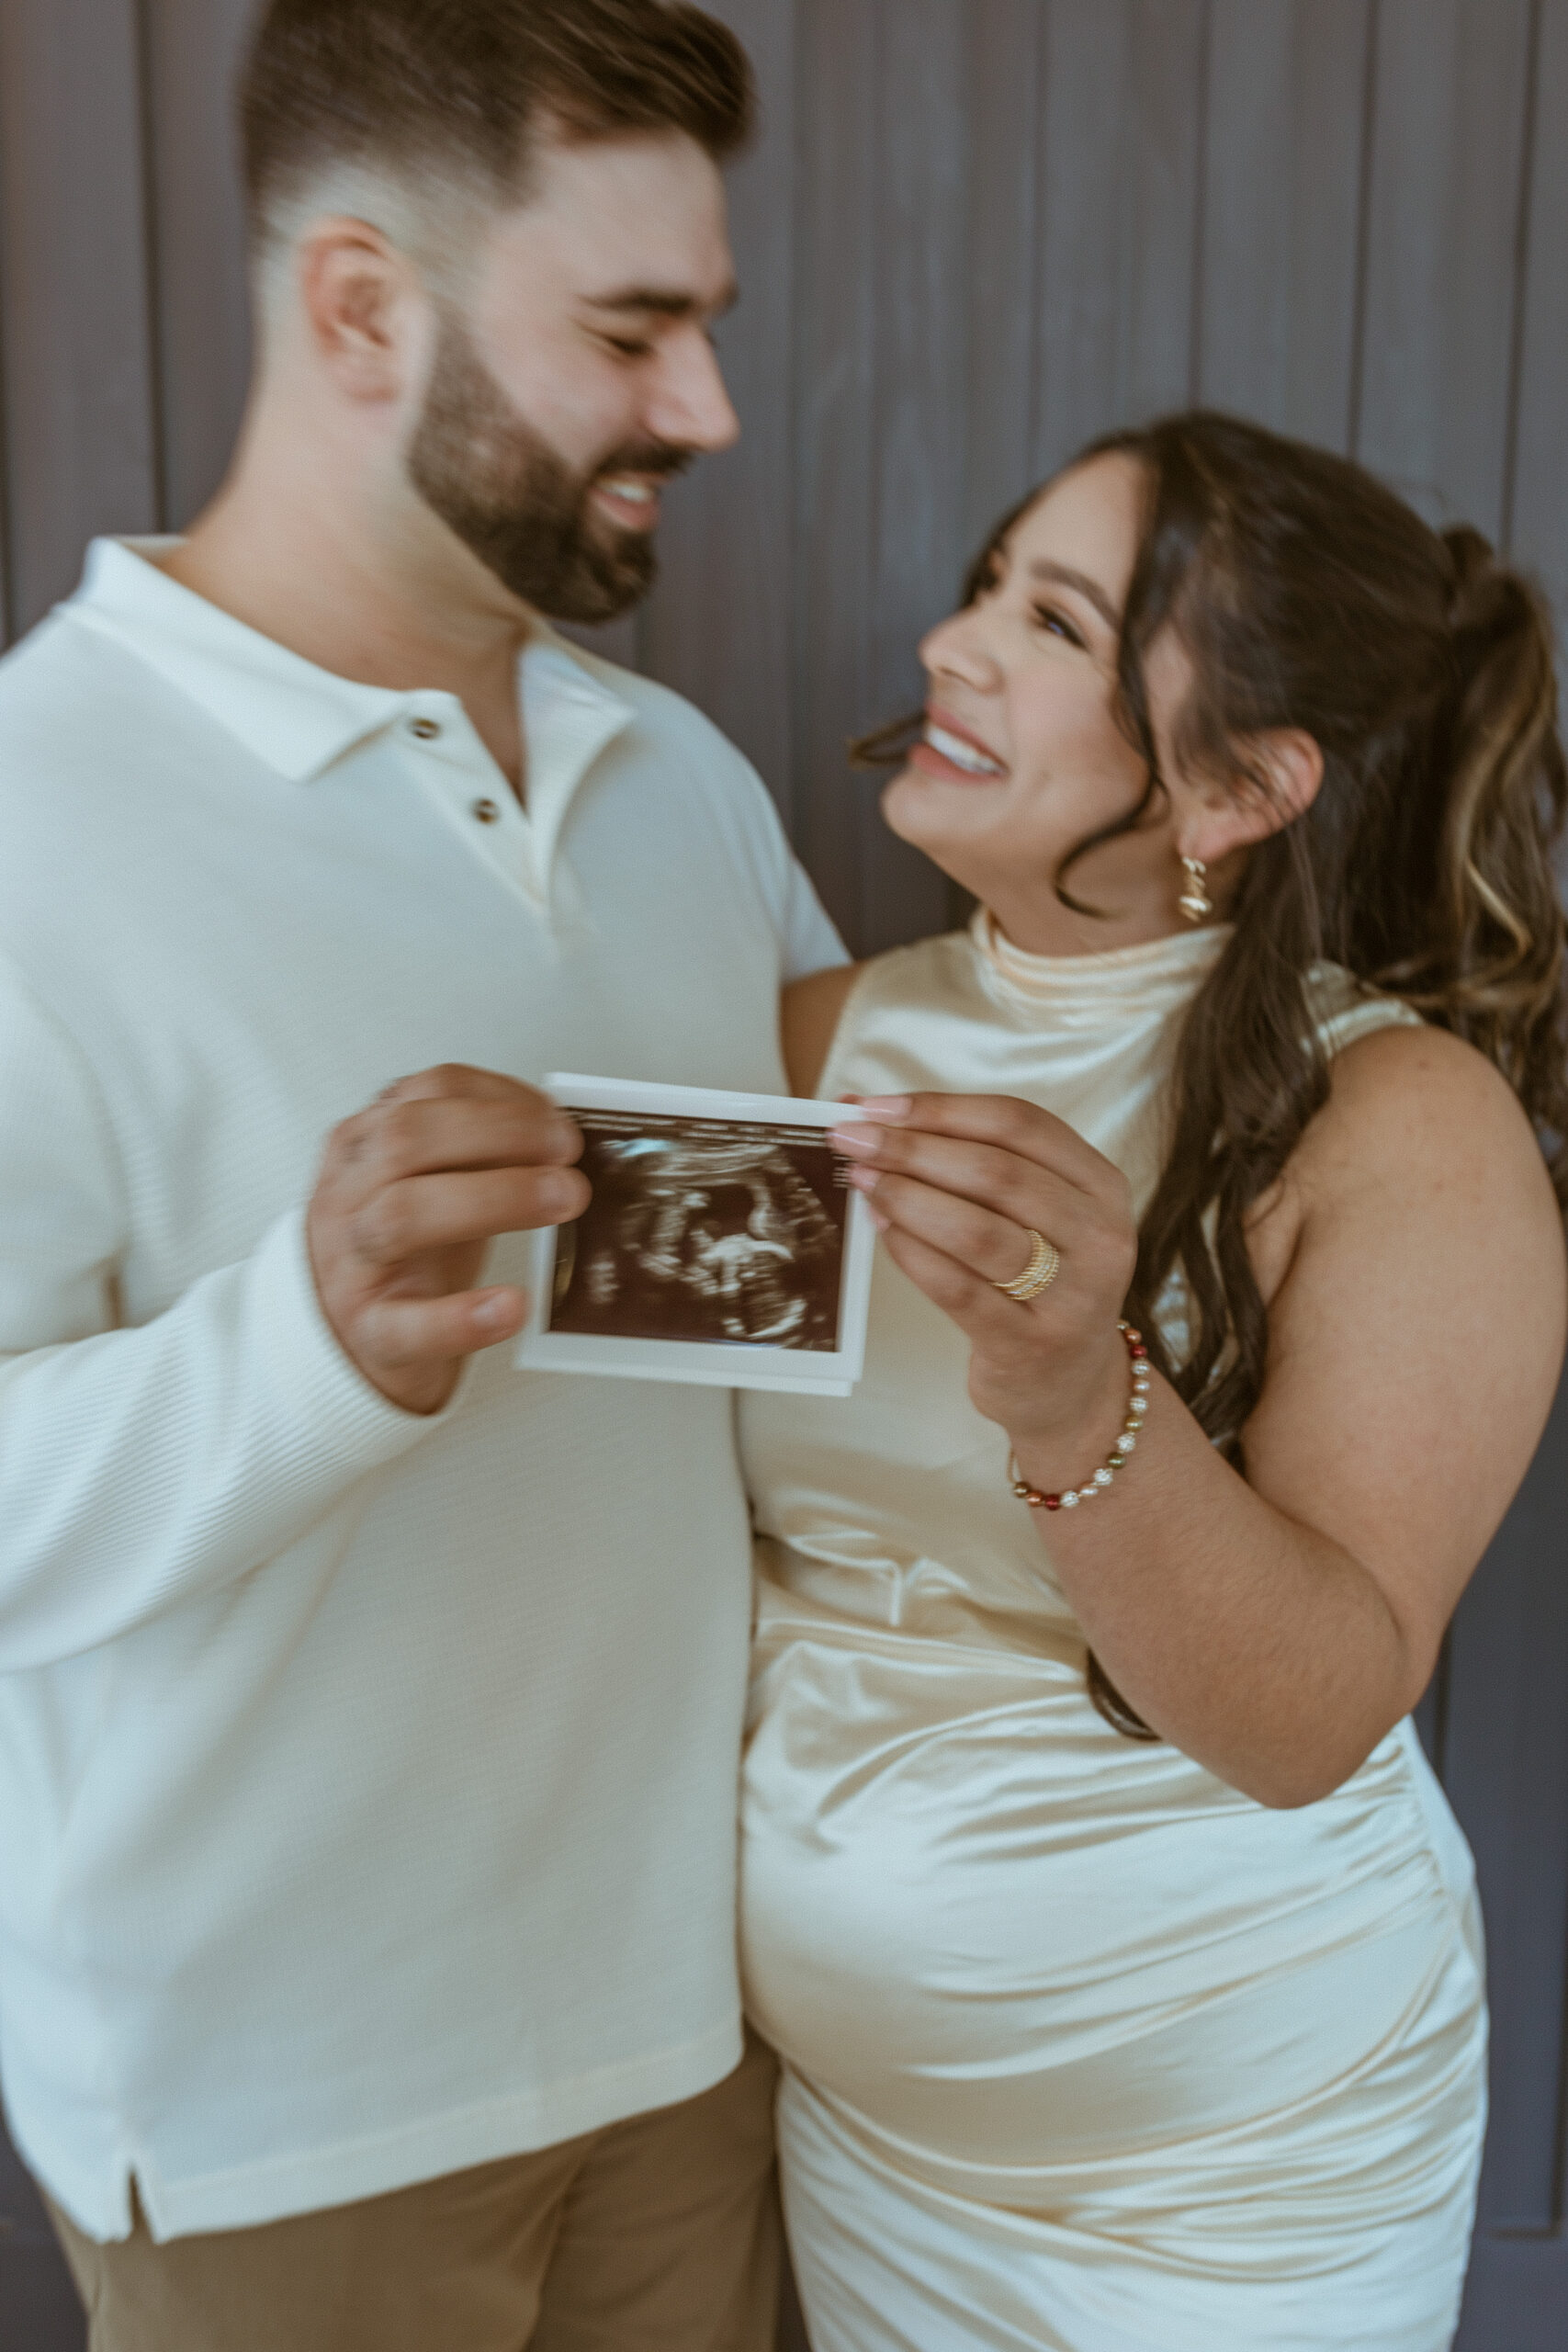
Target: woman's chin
941	821
913	812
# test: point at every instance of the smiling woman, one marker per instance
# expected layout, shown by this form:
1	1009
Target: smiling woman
1121	1949
1047	611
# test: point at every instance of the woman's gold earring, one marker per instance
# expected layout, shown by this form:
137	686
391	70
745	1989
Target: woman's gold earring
1194	901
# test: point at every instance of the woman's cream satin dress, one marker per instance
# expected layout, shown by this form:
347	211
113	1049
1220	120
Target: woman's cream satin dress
1083	2049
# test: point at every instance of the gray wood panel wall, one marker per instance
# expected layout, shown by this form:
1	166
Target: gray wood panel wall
974	232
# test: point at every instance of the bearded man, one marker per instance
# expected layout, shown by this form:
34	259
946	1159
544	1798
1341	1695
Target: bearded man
371	1709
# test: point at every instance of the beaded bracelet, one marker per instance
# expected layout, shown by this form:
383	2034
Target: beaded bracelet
1138	1405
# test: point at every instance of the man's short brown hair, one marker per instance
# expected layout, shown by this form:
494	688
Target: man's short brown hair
452	91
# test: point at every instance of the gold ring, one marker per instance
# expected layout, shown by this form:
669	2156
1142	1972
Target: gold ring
1044	1264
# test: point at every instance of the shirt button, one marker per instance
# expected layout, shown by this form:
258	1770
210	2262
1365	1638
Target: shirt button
487	812
424	730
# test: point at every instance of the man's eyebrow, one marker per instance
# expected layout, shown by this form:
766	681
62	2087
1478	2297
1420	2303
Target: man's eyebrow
1065	577
664	302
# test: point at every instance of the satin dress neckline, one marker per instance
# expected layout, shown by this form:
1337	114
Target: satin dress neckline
1156	975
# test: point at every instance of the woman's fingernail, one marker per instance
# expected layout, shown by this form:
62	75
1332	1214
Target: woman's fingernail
865	1179
865	1141
877	1218
498	1311
886	1107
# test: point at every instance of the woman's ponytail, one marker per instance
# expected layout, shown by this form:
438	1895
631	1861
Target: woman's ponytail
1491	964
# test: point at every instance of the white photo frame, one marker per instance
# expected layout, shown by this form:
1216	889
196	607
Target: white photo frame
724	1246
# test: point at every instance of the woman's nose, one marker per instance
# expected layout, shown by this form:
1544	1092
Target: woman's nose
956	649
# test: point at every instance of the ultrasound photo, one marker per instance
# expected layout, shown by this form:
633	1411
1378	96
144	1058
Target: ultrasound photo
705	1229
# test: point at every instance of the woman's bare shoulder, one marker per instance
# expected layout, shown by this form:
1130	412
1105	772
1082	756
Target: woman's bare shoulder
810	1015
1418	1101
1422	1156
1418	1117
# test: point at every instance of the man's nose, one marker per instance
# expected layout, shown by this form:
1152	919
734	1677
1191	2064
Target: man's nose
691	408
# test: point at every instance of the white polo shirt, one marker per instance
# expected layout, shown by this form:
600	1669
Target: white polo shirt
366	1782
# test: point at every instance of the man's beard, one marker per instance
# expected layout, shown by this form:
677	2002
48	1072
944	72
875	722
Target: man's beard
516	503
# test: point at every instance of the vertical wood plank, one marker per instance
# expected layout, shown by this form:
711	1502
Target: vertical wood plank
1121	126
1505	1758
1538	501
1516	2295
80	389
1441	244
834	461
1006	73
195	49
203	310
719	626
1287	102
921	307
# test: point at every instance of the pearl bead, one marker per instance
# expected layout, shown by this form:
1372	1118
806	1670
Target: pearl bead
1069	1499
1102	1478
1138	1406
1127	1440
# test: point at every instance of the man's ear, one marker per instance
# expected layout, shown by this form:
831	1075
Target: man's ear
1280	777
358	296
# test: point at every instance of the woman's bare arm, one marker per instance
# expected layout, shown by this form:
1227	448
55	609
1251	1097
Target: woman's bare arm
808	1018
1274	1627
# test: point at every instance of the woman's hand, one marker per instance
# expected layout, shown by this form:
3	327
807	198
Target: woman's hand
958	1184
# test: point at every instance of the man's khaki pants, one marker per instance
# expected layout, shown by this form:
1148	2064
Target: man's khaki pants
659	2234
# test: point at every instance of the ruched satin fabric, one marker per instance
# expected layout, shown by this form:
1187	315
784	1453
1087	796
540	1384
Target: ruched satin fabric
1083	2049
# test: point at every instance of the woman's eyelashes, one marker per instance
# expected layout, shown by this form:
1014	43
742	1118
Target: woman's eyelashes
1052	617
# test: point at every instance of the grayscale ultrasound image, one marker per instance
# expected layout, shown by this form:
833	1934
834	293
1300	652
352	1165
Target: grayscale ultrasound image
705	1229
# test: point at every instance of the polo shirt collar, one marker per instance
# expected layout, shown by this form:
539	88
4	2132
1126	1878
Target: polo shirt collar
294	717
299	719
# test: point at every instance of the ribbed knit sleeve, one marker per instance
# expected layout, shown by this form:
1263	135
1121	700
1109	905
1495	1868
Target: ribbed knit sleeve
140	1467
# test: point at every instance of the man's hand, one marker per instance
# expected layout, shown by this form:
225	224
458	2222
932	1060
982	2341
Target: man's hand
411	1195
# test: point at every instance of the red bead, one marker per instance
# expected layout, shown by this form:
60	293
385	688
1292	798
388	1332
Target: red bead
1052	1502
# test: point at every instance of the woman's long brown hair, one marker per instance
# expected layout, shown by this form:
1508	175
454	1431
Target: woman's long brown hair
1308	596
